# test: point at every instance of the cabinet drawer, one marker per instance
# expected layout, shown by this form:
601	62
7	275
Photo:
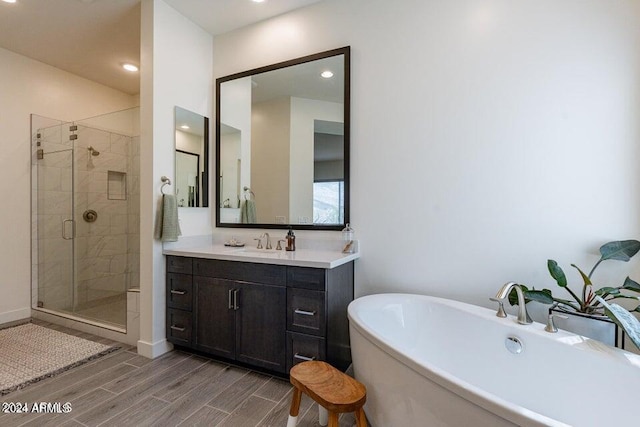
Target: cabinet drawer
179	327
267	274
179	291
306	278
306	311
179	264
301	347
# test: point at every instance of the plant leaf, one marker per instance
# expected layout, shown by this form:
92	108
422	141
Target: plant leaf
513	296
607	290
585	278
543	296
631	285
620	250
625	297
557	273
624	319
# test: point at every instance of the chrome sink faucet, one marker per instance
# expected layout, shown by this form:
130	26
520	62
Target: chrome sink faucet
503	293
268	244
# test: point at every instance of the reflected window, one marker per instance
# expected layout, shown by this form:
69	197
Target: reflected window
328	202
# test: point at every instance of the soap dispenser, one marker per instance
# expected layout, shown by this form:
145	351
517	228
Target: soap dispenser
347	237
291	240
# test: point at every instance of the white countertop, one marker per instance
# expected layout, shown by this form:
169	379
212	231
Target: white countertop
301	257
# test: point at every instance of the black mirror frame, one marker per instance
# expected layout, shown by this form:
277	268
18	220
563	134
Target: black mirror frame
346	51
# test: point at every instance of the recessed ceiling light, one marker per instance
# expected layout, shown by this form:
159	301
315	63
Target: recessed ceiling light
327	74
9	1
184	127
258	1
130	67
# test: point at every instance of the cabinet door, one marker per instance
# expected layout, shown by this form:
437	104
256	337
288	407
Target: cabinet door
261	326
214	316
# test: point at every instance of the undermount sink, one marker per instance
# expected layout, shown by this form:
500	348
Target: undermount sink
258	252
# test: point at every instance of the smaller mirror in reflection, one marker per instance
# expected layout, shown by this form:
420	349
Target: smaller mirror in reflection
191	152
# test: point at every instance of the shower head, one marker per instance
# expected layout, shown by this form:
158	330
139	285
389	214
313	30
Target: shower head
93	151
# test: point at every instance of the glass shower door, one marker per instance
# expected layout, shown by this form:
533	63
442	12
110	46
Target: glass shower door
55	228
85	216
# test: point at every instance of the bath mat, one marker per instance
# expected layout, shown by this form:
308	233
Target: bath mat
30	353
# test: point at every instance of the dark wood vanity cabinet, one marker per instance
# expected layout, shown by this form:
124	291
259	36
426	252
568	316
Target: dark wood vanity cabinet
263	315
212	308
240	321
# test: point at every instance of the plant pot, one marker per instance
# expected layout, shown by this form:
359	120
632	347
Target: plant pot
595	326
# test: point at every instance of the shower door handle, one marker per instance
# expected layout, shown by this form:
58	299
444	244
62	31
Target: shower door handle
64	229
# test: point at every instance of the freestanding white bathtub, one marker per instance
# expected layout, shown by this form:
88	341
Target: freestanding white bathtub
430	361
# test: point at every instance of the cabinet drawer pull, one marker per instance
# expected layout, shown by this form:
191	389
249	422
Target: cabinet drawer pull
301	357
177	328
230	305
304	312
174	292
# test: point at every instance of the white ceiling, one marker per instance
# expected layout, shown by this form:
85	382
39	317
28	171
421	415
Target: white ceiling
221	16
302	81
188	118
92	38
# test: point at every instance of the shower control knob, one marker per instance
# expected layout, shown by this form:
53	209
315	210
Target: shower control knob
90	215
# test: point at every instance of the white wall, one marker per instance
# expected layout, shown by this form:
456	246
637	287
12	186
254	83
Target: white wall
270	122
26	87
510	126
169	41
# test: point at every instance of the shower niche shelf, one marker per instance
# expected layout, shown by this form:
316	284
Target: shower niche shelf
116	185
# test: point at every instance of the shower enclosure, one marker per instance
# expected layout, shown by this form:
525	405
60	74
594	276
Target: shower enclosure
85	216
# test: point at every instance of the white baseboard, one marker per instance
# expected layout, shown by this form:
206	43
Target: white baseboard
12	316
153	350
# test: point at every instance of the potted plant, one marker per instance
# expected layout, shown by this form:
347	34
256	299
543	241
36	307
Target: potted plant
596	303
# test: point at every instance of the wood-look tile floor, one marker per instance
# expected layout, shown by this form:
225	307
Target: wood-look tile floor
176	389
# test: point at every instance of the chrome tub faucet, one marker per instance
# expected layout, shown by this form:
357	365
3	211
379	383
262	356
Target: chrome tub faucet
503	293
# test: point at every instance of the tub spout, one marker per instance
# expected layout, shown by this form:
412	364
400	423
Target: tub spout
523	316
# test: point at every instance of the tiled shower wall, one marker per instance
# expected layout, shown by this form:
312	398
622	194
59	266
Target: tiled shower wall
107	260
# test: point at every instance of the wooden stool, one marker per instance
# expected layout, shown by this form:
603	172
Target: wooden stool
334	392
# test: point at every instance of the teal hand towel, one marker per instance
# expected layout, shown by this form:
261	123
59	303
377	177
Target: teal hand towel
167	226
248	212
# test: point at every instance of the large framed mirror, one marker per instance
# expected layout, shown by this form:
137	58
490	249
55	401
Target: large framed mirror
282	144
191	154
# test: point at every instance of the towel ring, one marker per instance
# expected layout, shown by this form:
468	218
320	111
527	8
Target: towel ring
165	181
249	193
